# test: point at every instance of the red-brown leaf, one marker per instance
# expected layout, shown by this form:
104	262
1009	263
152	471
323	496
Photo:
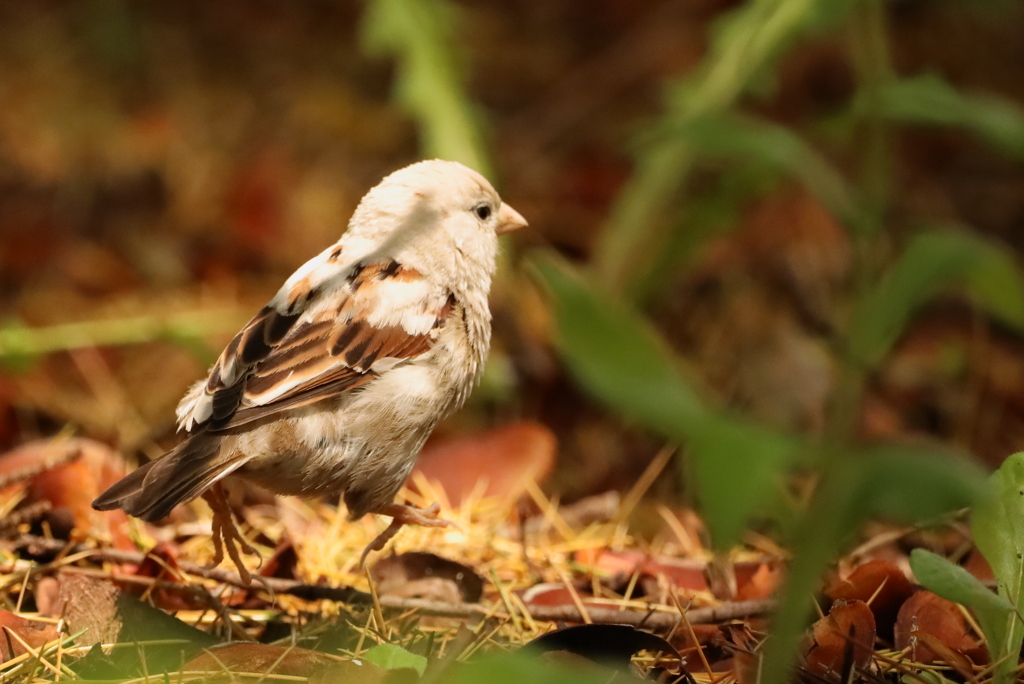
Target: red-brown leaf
880	584
507	458
848	630
926	613
35	634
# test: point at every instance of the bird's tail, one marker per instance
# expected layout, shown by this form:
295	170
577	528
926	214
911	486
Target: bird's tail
185	472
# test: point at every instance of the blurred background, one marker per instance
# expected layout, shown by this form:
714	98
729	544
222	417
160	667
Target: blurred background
746	178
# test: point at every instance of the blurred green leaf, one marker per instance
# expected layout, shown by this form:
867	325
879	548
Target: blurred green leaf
998	527
913	484
934	261
736	135
619	359
392	657
954	583
897	483
931	100
745	43
419	34
615	354
715	210
739	468
20	344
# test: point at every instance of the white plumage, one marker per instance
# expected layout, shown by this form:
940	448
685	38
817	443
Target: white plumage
335	385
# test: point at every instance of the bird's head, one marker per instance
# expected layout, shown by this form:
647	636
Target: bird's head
436	216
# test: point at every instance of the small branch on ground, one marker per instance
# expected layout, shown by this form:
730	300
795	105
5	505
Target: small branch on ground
650	619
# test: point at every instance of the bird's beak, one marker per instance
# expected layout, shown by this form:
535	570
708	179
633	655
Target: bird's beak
509	219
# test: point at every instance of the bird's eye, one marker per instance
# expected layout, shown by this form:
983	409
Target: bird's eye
483	212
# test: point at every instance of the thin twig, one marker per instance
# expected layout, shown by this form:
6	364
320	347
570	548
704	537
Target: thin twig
650	619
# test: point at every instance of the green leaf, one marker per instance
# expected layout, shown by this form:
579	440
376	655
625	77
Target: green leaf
392	657
428	82
747	138
931	100
956	584
619	359
933	261
998	528
616	356
523	666
739	468
912	484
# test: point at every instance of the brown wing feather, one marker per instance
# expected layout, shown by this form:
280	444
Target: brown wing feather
312	359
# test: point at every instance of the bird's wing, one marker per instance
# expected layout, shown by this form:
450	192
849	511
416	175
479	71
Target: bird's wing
332	328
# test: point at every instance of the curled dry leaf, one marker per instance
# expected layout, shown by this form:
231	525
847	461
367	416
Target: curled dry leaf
613	567
84	468
710	638
844	637
927	619
882	585
15	627
686	576
283	564
507	458
759	584
161	563
425	575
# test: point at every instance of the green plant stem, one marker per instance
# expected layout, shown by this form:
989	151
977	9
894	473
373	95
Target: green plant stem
869	45
870	48
819	536
429	83
823	528
18	341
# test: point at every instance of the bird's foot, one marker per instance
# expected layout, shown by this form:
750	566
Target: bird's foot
404	515
226	535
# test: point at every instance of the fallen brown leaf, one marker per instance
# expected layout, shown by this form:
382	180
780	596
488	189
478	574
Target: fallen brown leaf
71	486
926	613
844	637
428	576
15	627
880	584
507	458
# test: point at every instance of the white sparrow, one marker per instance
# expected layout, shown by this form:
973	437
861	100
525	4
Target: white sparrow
335	385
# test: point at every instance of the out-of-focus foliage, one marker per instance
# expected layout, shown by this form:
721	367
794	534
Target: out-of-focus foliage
744	45
931	100
618	358
932	262
738	465
744	140
420	34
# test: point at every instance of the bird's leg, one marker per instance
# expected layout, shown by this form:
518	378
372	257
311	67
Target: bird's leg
225	533
402	514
